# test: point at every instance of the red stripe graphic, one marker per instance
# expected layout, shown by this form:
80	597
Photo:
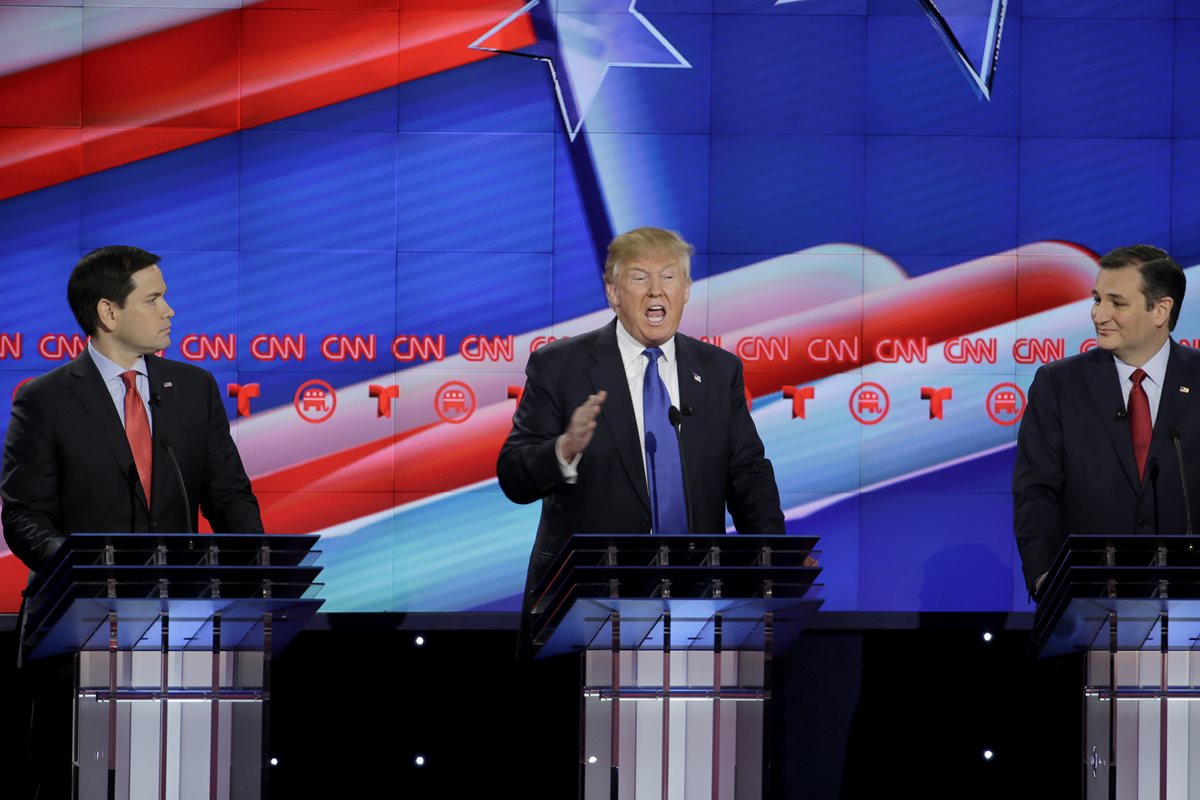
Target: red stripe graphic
219	74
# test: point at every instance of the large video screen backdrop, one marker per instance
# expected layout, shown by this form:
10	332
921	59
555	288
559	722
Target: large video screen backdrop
370	211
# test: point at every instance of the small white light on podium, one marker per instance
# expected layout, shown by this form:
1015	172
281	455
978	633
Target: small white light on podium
274	762
420	761
420	640
987	636
987	755
591	759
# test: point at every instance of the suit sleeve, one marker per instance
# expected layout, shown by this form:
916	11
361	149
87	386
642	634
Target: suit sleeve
29	485
528	468
226	498
1038	480
751	493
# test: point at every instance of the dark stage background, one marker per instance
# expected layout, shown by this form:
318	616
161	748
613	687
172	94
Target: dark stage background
903	707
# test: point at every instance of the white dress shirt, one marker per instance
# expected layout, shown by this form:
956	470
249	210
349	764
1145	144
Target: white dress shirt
1156	373
110	371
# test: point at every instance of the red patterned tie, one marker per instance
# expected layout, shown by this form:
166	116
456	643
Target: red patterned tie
137	429
1140	426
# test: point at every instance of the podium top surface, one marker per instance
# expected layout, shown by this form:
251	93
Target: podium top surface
598	576
176	550
142	580
1137	579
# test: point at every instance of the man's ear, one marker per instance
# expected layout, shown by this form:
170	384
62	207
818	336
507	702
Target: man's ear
1162	311
106	311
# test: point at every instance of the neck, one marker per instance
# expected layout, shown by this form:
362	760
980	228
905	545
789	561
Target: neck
118	355
1140	358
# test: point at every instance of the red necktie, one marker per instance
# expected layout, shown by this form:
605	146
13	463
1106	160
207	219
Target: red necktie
1140	426
137	430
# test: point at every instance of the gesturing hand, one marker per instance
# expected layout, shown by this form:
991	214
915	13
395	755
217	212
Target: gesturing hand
582	425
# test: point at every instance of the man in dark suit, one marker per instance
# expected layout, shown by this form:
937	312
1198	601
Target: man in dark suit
92	446
73	459
1095	452
592	437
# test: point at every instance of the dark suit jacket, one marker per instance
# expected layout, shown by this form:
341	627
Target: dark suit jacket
1075	470
721	448
68	467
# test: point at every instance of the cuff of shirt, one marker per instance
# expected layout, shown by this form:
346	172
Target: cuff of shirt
570	470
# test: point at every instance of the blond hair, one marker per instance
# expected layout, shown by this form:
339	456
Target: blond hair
642	243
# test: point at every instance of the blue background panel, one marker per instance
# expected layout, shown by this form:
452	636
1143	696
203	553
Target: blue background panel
826	93
1096	77
474	192
786	192
930	194
183	200
1105	192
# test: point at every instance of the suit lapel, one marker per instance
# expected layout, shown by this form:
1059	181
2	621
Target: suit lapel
97	403
1105	390
1174	405
164	409
692	395
607	371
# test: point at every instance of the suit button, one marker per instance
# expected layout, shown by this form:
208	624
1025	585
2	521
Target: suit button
153	526
646	523
1141	523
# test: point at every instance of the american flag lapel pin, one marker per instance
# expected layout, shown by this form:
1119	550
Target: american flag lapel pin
1184	389
168	385
696	377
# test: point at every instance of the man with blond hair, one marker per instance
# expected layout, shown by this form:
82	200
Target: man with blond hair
595	435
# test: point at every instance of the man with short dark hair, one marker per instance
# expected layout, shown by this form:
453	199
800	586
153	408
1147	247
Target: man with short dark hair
592	437
1094	451
86	445
86	452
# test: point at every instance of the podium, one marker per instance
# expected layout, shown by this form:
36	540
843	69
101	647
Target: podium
677	636
1131	606
172	636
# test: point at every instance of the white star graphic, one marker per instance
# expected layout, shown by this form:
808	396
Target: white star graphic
580	47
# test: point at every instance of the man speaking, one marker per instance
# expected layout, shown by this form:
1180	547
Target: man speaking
593	437
92	445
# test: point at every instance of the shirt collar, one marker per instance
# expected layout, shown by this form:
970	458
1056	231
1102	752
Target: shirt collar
1155	368
632	349
109	369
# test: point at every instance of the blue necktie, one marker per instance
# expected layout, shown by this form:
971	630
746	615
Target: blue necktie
662	452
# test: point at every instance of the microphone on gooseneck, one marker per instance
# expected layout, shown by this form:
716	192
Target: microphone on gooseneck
676	418
187	507
134	481
1152	474
1187	504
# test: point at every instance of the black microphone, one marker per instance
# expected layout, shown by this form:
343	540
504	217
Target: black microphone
187	507
134	480
156	399
1187	504
1121	415
1152	474
676	418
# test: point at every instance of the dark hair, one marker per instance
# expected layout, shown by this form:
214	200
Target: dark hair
104	274
1161	276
